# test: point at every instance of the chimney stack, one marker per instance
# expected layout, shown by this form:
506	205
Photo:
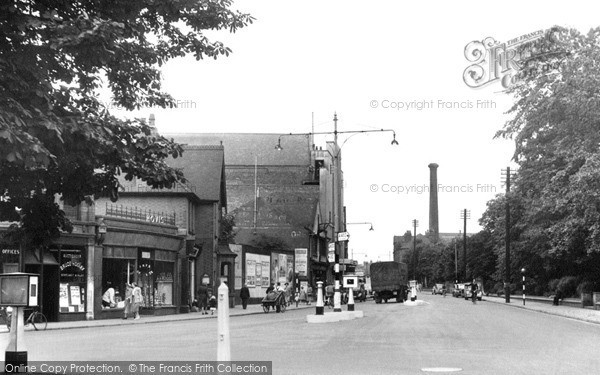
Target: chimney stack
152	124
434	229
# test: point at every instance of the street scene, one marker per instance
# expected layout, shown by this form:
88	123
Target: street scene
210	186
442	333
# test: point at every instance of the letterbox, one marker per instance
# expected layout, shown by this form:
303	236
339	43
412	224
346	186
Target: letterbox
19	289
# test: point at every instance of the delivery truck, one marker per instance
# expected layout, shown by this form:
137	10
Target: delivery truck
389	280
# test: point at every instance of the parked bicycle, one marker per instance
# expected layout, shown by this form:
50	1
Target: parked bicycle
36	318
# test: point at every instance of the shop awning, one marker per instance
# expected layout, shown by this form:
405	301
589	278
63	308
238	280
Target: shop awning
32	257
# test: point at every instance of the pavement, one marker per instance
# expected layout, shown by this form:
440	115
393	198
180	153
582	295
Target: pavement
578	313
148	319
587	314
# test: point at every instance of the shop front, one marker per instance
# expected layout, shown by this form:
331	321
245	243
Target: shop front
147	254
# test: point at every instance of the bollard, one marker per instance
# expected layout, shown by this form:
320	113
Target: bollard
350	299
413	293
320	307
224	343
16	352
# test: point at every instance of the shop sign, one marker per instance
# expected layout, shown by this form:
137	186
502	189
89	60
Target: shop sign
71	266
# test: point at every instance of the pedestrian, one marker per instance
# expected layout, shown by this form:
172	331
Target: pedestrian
279	288
288	294
244	295
270	289
303	296
137	299
202	297
212	302
128	300
108	298
557	297
474	288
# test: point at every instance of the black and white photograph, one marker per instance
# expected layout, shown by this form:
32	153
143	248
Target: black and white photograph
315	187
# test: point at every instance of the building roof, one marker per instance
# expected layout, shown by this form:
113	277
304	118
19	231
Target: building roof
242	148
204	170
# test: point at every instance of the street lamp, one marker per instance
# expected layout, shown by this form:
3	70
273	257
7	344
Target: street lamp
366	223
336	188
523	273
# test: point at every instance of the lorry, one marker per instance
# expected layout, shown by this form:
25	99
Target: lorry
389	280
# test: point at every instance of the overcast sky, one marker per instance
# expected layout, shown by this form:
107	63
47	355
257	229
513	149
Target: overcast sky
361	60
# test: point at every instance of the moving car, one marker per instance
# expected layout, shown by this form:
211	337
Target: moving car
459	290
437	289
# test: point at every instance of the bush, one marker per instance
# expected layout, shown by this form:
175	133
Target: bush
553	286
587	287
568	286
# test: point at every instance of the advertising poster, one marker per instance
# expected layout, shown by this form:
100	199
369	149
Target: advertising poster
266	280
290	269
250	271
283	267
75	295
301	261
258	272
63	296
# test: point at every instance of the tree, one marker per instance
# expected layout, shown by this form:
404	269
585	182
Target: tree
56	138
557	136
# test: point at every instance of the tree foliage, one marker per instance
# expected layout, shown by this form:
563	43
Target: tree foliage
555	203
56	137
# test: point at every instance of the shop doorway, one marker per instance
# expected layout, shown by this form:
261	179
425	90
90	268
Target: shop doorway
49	280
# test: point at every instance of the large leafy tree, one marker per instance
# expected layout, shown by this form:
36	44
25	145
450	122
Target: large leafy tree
557	135
56	138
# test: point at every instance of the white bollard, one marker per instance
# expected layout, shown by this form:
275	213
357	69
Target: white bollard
224	343
16	352
350	299
320	307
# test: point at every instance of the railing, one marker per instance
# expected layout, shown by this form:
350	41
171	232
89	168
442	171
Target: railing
134	213
178	188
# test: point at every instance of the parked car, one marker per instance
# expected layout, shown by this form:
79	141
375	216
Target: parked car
437	289
459	290
467	291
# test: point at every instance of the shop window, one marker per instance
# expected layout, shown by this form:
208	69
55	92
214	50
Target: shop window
117	273
163	286
73	272
155	275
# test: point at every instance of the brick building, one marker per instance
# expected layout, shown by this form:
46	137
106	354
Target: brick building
188	214
278	203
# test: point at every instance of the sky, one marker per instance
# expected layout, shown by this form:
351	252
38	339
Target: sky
378	65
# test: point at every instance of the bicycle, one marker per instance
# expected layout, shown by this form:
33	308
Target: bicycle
37	319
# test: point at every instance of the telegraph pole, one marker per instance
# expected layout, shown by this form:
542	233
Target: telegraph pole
415	225
507	242
465	214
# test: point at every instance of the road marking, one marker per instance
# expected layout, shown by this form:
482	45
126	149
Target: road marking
441	369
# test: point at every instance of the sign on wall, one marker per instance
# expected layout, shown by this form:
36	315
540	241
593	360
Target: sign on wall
301	261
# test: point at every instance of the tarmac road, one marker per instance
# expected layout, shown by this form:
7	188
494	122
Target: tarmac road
438	333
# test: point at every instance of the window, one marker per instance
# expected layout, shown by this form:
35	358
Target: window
116	273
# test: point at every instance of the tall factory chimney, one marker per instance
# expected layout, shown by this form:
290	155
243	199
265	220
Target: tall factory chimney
434	228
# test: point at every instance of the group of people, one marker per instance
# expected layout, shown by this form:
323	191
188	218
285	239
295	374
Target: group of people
205	301
133	299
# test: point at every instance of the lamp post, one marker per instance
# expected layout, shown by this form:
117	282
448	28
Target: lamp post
507	174
523	273
336	188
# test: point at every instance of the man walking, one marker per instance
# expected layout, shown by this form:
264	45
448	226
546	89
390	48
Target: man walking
245	295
